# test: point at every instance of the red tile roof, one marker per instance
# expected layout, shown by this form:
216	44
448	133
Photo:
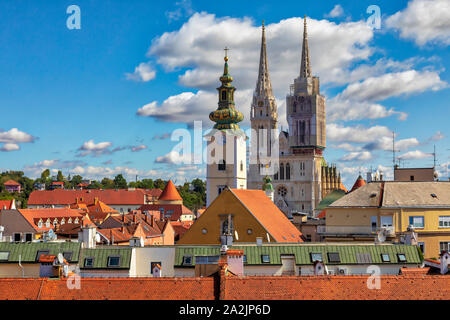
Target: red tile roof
67	197
358	183
58	183
6	204
401	287
34	215
176	209
322	214
170	193
47	258
268	215
11	183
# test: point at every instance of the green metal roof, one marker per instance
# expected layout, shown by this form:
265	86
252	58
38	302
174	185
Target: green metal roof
101	255
347	253
330	198
28	251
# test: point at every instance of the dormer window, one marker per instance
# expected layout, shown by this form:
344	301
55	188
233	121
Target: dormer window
113	261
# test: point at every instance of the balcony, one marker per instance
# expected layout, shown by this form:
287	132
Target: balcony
354	230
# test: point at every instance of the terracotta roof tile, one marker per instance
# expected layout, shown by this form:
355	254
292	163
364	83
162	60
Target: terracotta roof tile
170	192
6	204
358	183
11	183
268	215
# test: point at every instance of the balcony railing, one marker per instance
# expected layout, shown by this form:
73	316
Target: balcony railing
363	230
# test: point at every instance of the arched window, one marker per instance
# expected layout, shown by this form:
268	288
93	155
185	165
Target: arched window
294	107
281	171
222	165
242	166
224	95
288	171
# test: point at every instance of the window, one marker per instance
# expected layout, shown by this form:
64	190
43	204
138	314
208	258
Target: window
417	221
220	189
222	165
316	257
444	221
308	238
401	257
411	178
153	265
4	255
224	95
41	252
187	260
364	258
282	191
68	255
444	246
385	257
265	258
226	224
28	237
334	257
422	246
207	260
244	259
281	171
288	171
113	261
88	262
242	166
17	237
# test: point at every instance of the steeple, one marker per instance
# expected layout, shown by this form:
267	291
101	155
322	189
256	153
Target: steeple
305	69
263	85
226	116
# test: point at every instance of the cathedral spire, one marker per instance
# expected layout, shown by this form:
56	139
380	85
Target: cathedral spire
263	85
305	69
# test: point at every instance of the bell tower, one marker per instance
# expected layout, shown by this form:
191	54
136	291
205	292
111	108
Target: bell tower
226	146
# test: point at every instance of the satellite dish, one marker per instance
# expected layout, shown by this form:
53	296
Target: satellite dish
60	258
381	236
236	235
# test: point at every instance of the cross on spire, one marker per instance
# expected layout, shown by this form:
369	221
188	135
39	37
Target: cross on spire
226	51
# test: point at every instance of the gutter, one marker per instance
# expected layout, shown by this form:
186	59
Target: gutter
20	265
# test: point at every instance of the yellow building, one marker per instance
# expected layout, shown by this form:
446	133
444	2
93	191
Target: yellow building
395	206
245	215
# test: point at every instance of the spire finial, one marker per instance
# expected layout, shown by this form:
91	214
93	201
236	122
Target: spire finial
226	53
305	68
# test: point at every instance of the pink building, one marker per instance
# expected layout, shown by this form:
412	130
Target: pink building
12	186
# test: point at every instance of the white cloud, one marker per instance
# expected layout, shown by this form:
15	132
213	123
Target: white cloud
356	134
184	8
96	149
415	155
437	136
142	73
424	21
174	157
36	169
392	85
337	11
357	156
187	107
101	172
138	148
12	138
8	147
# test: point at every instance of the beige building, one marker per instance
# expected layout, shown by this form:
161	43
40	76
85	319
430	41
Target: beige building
394	206
414	174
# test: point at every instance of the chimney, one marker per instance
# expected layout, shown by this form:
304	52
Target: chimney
445	257
87	237
259	241
369	177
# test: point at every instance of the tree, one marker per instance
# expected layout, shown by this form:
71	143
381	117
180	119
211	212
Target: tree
45	174
107	183
160	184
60	176
76	180
120	182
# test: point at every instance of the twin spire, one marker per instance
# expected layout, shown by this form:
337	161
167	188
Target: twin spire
263	85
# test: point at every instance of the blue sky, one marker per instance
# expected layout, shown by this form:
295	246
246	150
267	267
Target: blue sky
104	99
